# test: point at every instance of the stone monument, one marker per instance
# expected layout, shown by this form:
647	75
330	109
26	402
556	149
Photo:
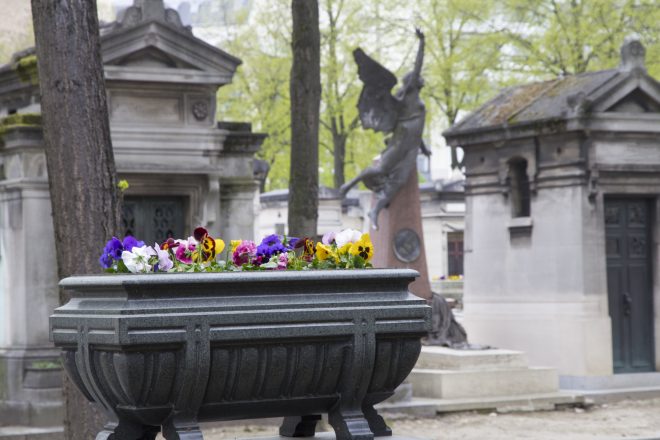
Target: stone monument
561	227
184	169
398	236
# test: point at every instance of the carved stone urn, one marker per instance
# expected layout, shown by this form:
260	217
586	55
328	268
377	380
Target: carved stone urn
166	351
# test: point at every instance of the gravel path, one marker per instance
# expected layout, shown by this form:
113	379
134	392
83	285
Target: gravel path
624	420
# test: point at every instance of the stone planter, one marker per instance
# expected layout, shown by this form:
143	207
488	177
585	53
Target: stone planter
170	350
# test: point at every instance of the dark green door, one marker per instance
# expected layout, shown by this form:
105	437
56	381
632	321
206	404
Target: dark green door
629	283
153	219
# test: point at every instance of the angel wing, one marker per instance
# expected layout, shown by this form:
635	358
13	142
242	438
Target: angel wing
377	106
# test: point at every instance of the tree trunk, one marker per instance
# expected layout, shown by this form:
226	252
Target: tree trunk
305	89
339	143
81	168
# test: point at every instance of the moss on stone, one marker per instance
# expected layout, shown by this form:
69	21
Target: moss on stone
19	120
46	365
26	69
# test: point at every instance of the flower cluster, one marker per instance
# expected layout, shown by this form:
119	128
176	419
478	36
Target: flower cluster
347	249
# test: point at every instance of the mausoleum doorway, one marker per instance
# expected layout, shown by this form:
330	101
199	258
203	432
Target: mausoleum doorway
630	283
154	218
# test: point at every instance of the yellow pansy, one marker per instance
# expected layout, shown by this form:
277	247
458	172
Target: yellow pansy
210	248
344	249
234	245
219	245
323	252
363	247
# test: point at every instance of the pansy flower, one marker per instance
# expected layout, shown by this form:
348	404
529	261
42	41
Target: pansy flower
137	260
290	242
245	253
164	261
347	236
269	246
185	249
363	247
328	238
323	252
111	252
209	246
130	242
282	261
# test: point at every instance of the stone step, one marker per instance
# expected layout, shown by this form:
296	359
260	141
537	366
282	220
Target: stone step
612	381
613	395
503	404
31	433
325	436
455	384
443	358
417	408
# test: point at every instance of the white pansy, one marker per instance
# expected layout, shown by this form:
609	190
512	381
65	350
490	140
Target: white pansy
164	261
347	236
137	260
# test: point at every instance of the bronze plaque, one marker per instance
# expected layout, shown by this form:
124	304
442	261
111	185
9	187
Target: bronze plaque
407	246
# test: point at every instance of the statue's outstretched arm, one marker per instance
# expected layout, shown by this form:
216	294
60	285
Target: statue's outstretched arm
419	61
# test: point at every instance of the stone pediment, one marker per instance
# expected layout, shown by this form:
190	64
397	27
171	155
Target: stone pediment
152	45
636	94
153	57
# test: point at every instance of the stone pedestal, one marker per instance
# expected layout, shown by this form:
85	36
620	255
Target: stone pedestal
399	240
30	370
472	379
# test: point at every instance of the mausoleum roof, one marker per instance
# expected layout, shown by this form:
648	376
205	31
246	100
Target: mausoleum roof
147	43
567	97
538	100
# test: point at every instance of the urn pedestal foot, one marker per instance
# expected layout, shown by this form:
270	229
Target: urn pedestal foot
127	431
173	430
299	426
376	422
350	425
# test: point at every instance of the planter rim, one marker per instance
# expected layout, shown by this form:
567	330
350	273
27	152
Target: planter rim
201	278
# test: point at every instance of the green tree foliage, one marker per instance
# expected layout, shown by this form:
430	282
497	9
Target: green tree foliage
260	92
343	143
463	59
463	56
474	48
560	37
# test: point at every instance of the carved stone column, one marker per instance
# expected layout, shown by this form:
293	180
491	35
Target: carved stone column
30	371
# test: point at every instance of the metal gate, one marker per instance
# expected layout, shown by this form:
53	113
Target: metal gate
153	219
630	283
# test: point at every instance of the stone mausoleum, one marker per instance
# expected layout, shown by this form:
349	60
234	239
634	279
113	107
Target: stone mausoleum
561	235
184	169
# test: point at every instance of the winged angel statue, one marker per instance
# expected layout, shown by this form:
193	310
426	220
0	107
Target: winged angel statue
401	115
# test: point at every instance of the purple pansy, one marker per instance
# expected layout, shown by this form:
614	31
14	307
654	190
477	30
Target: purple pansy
291	243
111	252
130	242
269	246
114	247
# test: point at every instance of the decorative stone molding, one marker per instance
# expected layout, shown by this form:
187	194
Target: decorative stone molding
200	110
633	55
148	10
